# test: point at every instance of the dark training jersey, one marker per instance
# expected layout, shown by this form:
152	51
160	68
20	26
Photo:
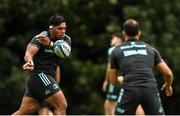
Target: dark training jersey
136	61
46	60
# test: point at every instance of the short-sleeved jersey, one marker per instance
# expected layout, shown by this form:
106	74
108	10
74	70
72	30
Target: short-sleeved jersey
45	59
136	61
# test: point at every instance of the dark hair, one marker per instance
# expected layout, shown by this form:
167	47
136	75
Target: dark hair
119	35
56	20
131	27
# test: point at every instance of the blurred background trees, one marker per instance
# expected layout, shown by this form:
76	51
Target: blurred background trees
90	24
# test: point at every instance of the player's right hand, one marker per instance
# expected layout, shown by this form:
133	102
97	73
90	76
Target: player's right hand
167	89
28	65
120	79
43	39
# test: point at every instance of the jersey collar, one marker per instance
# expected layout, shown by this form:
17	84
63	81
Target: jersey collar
132	39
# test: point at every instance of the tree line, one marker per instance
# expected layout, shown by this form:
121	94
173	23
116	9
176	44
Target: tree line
90	25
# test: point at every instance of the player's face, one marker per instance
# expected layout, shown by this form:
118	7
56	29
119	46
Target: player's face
59	30
116	41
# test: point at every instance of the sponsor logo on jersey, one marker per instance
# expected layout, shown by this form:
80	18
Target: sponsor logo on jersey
135	52
133	45
48	50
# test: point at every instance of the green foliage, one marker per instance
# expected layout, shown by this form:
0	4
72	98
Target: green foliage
84	87
90	24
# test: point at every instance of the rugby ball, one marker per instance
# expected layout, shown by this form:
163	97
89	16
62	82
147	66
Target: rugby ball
62	49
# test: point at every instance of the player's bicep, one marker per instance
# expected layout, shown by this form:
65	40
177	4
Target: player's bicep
31	50
164	68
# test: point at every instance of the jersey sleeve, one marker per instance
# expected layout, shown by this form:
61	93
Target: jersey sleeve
157	57
35	42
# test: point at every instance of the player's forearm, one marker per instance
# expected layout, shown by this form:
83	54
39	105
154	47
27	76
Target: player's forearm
28	57
117	82
169	79
166	71
114	79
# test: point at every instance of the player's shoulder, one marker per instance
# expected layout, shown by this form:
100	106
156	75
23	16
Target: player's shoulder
110	49
150	46
34	40
117	49
44	33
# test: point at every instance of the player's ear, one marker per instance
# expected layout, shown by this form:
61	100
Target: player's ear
124	34
50	27
139	34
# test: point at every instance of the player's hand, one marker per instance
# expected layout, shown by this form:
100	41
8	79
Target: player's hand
168	89
43	40
104	87
120	79
28	65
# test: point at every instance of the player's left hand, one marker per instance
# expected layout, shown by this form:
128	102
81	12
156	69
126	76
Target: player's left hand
43	40
168	89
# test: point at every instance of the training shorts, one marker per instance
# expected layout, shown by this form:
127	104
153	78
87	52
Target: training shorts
113	92
131	97
40	86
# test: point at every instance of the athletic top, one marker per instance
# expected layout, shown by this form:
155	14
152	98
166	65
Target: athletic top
46	60
136	61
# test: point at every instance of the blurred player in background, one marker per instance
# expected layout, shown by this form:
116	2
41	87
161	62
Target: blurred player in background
111	90
42	62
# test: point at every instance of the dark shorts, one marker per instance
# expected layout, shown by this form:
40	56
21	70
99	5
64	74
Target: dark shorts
131	97
113	92
40	86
